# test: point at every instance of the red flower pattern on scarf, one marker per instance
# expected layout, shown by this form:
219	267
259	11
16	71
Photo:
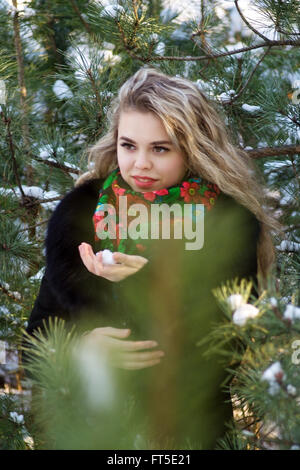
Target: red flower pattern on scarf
117	190
188	191
150	196
192	191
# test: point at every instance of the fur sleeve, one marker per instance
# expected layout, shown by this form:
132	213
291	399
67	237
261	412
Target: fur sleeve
71	223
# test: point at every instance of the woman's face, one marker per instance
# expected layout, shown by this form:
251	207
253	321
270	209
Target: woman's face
148	161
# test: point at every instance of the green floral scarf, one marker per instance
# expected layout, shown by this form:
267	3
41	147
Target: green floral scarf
194	190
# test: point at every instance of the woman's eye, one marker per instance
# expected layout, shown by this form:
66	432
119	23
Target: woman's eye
161	149
126	145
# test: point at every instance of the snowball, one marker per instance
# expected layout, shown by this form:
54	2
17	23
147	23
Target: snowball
107	257
244	312
235	301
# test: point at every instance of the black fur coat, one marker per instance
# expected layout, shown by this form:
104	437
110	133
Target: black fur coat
169	300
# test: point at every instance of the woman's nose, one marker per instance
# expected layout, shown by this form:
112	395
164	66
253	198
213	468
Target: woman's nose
142	160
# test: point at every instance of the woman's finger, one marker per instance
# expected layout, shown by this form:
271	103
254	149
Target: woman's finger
85	258
122	345
142	356
99	257
130	260
140	260
86	251
139	365
130	345
114	332
92	262
120	257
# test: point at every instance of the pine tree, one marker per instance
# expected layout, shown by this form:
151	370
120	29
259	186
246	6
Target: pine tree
60	65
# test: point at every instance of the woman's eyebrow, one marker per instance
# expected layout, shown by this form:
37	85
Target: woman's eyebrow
157	142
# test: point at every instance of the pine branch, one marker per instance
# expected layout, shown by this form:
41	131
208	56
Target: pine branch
273	151
6	291
215	56
248	24
292	228
77	11
33	201
23	90
34	226
126	45
286	32
203	41
60	166
7	122
135	5
98	98
293	119
235	97
129	46
201	33
295	171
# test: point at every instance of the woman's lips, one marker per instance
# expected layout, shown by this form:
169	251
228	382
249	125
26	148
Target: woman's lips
143	182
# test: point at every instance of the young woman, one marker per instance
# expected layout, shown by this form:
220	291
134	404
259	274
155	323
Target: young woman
166	144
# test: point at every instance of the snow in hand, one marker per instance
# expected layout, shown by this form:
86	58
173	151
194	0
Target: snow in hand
107	257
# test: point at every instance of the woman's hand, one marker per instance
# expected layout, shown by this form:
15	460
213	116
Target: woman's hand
121	353
127	264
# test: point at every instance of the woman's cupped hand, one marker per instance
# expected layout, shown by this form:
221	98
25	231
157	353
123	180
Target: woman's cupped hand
122	353
125	266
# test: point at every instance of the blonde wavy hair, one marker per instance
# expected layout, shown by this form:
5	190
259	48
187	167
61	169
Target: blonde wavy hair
195	127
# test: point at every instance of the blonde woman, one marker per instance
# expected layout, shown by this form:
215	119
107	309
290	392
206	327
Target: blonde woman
152	301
